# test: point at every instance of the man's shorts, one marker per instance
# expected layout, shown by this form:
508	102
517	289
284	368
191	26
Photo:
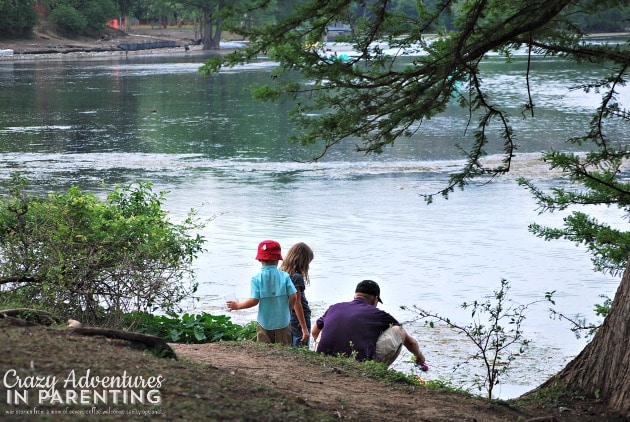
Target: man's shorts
388	345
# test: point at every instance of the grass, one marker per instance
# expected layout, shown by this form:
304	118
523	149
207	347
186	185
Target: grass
368	369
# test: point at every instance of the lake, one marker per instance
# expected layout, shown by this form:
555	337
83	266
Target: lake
99	122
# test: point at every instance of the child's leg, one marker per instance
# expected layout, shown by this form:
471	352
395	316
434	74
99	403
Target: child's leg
263	336
297	339
283	336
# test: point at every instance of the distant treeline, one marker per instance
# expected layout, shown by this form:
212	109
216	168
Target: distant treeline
19	18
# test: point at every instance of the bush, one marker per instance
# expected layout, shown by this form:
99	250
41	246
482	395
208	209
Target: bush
95	260
89	19
69	21
17	19
97	13
191	328
499	341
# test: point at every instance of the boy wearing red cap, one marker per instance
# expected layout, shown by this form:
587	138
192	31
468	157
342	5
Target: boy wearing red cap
274	292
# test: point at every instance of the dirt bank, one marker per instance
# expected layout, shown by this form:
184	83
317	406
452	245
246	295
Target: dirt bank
242	381
47	42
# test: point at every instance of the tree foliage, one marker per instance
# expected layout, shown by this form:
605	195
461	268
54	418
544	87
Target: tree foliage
93	259
376	99
17	18
69	20
83	17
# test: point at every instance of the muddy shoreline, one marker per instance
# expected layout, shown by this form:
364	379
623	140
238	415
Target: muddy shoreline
48	45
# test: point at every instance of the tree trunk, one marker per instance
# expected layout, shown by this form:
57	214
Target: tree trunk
603	367
216	38
210	41
206	30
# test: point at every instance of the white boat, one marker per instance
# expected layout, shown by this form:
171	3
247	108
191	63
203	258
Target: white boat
6	52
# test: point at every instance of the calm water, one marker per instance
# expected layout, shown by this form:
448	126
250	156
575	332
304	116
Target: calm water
100	122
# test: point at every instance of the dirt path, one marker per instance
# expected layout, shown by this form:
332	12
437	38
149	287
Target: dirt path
330	390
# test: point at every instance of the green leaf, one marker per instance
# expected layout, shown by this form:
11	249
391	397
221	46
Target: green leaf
176	335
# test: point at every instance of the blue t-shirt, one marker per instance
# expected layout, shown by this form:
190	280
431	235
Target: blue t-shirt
272	287
352	327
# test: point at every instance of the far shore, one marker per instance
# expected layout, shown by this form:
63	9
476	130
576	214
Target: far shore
185	49
105	54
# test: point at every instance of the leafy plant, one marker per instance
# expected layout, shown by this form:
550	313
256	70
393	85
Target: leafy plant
87	18
91	259
191	328
495	331
17	19
69	20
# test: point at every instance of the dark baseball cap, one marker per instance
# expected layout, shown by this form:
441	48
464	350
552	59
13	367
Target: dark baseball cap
369	287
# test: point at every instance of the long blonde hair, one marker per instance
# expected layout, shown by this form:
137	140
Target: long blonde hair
297	260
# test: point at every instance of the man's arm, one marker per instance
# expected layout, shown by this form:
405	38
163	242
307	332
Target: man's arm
315	331
412	345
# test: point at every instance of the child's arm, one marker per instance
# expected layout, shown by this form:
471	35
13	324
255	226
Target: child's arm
235	305
292	301
299	312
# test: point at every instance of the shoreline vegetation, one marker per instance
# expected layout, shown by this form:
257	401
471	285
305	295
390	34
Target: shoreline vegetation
46	45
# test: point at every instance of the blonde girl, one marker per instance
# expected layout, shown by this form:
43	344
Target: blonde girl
296	263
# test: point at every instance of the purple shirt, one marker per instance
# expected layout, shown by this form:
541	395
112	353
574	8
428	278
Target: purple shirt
352	327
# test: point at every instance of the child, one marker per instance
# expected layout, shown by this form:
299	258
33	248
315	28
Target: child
296	263
274	291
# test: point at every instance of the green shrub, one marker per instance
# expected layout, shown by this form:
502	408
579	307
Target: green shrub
97	13
189	328
69	21
17	19
93	260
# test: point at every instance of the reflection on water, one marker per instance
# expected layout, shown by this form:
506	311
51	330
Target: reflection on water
98	123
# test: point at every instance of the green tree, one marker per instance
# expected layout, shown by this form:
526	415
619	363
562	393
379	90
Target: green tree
373	101
92	260
70	22
152	10
17	18
124	6
82	17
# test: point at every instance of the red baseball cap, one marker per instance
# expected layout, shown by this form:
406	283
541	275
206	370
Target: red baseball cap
269	250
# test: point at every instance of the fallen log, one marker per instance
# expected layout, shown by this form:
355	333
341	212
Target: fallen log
155	344
26	317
